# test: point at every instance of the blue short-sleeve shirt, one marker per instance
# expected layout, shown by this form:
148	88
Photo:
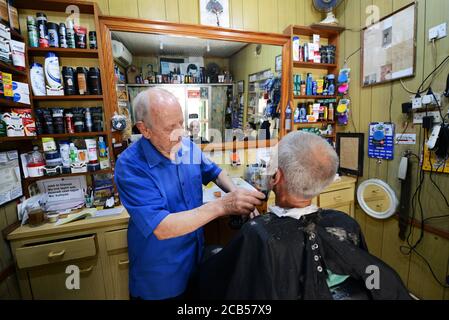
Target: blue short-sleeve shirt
151	187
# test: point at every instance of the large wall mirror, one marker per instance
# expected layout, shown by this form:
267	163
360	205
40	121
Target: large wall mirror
232	85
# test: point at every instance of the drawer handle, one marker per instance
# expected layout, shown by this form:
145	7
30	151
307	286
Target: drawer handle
56	254
379	206
339	198
376	191
123	262
87	269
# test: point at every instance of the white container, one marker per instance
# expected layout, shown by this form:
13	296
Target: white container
37	80
35	170
296	48
53	75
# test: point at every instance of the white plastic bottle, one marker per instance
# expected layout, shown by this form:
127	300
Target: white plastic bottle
37	79
53	75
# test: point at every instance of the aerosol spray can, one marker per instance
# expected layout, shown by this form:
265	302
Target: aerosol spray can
33	38
62	36
41	23
70	35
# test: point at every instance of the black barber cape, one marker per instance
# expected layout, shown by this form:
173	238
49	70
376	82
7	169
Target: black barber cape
286	258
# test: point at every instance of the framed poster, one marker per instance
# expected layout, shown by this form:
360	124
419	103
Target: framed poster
214	13
350	148
389	48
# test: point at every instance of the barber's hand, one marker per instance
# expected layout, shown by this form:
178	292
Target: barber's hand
240	202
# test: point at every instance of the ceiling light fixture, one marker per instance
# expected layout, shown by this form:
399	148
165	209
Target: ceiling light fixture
161	46
208	47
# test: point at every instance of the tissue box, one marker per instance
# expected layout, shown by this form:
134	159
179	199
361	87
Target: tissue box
21	92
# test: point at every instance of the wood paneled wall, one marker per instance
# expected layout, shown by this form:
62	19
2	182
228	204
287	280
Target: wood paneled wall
371	104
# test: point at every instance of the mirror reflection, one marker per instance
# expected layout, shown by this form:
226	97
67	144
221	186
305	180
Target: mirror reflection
228	91
376	198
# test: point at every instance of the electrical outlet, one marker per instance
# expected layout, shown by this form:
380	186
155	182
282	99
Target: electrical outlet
418	117
416	103
438	32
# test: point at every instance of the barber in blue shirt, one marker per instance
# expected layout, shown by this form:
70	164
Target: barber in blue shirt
159	179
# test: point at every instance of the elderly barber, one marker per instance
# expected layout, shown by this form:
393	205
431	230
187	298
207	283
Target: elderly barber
159	179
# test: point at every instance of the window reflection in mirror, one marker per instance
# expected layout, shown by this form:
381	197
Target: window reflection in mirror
228	91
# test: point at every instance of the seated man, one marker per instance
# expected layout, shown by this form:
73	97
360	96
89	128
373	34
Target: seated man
194	129
299	251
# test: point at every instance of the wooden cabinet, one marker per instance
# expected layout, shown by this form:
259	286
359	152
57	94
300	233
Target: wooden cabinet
49	282
97	247
117	251
339	196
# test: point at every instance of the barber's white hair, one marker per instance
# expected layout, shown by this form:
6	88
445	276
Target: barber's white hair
141	108
309	164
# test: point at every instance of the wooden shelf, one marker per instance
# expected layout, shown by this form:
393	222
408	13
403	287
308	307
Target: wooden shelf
11	139
31	180
11	69
314	97
312	65
52	5
322	30
67	98
64	52
72	135
4	103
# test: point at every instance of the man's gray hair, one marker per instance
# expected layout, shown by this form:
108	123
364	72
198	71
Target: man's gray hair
141	108
308	162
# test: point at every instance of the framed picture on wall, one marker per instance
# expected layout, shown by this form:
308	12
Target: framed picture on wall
350	148
214	13
278	63
241	86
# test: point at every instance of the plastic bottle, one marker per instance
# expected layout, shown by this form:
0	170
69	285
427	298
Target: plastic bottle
102	148
288	118
37	79
296	48
52	74
296	118
88	120
73	153
62	35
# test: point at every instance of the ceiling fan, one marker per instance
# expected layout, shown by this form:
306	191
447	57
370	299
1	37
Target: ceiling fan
327	6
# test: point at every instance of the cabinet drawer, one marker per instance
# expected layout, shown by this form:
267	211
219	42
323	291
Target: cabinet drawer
117	239
41	254
336	198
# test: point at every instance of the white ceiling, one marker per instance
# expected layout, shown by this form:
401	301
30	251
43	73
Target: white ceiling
140	44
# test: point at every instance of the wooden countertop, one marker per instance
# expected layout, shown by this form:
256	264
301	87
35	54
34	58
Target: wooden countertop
46	229
344	182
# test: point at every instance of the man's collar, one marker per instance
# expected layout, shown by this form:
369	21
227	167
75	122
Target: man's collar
154	157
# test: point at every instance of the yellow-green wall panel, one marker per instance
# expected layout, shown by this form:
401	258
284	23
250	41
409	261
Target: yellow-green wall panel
152	10
268	15
172	10
287	14
189	11
250	15
123	8
236	14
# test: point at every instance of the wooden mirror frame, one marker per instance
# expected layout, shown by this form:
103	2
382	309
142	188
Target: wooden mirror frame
107	24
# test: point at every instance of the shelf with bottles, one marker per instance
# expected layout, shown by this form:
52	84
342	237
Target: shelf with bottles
309	86
57	158
312	65
69	122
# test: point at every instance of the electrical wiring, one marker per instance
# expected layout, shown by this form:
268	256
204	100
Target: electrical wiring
431	74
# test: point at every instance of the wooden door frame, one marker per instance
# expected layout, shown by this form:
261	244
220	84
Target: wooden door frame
109	23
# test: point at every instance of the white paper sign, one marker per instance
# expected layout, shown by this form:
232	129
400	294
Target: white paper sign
63	189
405	139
